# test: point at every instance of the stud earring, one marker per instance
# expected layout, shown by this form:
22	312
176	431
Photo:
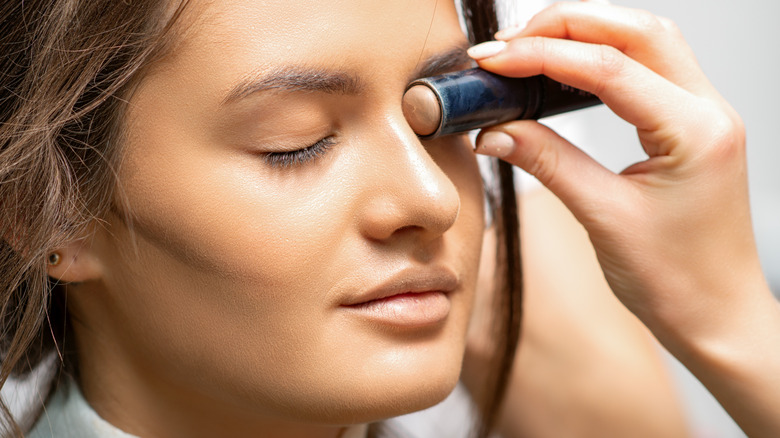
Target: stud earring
54	259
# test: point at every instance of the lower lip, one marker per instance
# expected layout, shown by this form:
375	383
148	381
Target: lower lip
406	310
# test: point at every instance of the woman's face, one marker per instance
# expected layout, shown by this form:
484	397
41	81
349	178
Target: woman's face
295	252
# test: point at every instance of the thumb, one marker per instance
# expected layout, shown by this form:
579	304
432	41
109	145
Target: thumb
578	180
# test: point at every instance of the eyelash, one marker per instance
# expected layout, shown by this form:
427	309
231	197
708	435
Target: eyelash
300	156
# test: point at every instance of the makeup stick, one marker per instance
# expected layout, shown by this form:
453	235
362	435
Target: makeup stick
471	99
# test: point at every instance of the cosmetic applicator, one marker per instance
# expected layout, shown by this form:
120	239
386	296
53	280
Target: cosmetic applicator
471	99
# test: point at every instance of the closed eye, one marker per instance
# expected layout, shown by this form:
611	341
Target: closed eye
302	156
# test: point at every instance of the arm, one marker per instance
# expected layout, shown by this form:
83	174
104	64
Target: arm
672	234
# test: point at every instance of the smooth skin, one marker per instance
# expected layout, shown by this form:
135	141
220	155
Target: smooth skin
672	233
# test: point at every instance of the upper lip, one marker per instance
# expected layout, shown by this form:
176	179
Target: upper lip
411	280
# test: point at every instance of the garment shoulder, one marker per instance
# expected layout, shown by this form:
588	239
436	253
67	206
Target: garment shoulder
68	415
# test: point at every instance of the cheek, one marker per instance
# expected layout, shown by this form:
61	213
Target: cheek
225	275
234	265
217	215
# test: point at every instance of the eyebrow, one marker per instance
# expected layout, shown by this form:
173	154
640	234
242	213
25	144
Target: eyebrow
444	62
312	79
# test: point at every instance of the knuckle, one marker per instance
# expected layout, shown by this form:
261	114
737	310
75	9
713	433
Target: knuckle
673	34
669	25
727	136
610	60
652	27
610	63
544	165
539	48
649	23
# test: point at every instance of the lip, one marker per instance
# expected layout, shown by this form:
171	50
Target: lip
410	298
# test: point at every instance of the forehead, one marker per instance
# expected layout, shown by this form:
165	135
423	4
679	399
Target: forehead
333	33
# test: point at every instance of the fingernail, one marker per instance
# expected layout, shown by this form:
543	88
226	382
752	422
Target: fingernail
486	50
509	33
496	144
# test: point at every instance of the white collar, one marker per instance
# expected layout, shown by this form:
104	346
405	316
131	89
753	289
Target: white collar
68	415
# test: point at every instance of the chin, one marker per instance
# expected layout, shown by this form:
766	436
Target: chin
415	397
392	401
381	390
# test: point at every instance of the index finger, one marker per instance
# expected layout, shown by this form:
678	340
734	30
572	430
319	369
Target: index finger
651	40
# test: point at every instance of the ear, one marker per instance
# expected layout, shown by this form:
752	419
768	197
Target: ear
75	262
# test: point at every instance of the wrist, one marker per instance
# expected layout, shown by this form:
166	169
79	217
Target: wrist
727	314
737	358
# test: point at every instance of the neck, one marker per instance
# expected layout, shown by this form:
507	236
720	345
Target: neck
143	404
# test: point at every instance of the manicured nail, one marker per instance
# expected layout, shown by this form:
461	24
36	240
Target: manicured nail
509	33
486	50
496	144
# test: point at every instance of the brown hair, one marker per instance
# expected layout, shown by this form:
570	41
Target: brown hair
481	20
66	69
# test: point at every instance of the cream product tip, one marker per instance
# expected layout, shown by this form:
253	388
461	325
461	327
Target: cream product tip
422	109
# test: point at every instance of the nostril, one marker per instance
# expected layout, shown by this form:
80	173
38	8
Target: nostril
408	229
409	214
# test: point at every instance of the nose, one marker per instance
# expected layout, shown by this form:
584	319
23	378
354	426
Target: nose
410	195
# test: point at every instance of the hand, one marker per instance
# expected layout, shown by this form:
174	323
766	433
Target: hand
672	233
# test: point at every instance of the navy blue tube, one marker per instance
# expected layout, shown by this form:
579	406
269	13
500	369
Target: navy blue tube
476	98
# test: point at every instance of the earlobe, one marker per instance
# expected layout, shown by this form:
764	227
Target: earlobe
73	263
